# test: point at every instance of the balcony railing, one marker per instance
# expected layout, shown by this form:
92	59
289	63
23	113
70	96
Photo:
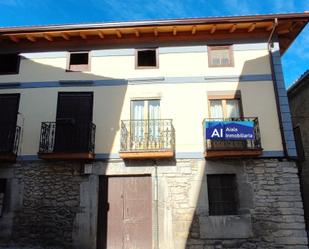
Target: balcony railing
250	147
9	141
64	139
156	135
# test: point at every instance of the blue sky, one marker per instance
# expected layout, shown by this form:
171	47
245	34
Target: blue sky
40	12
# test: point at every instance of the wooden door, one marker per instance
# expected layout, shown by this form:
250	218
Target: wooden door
127	213
9	104
73	122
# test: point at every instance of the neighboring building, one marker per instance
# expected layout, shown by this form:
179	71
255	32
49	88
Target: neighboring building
103	135
298	95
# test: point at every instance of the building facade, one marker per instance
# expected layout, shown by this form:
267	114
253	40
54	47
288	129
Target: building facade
103	135
298	98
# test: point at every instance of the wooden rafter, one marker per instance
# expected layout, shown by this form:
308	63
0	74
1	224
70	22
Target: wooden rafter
194	30
136	33
83	35
269	28
100	34
251	27
174	31
14	38
233	28
65	36
31	38
155	31
48	37
284	31
213	29
118	33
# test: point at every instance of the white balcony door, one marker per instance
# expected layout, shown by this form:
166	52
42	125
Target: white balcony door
221	109
154	119
224	108
137	117
232	108
145	123
216	109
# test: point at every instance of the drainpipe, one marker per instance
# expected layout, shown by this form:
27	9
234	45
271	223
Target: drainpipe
274	79
157	203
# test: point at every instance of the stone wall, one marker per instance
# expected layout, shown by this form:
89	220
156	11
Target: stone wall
50	203
59	204
298	99
276	214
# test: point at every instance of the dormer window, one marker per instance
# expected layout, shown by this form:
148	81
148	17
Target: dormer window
220	56
146	58
79	61
9	64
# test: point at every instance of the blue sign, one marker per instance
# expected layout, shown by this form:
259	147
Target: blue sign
229	130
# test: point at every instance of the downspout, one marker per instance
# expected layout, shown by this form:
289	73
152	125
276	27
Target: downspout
157	204
274	79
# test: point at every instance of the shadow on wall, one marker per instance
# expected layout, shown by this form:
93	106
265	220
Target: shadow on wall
246	228
57	197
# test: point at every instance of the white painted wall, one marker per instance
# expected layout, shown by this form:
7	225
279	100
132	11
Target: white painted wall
185	103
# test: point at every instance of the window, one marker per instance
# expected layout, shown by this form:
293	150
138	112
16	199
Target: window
224	108
9	63
146	58
222	194
220	56
145	123
145	109
2	193
228	108
79	61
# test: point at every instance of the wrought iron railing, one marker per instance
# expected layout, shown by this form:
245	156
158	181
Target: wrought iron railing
67	137
147	135
9	138
250	144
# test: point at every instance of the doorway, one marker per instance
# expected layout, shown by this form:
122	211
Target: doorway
124	218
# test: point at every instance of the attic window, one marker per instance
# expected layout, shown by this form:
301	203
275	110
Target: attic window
79	62
147	58
220	56
9	63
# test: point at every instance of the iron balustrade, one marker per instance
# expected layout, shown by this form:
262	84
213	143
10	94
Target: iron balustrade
9	138
250	144
67	137
147	135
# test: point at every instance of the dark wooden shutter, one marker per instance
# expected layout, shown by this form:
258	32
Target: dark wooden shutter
222	194
73	122
9	104
2	194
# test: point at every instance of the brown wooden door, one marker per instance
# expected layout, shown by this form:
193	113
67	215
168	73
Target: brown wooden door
9	104
128	213
73	122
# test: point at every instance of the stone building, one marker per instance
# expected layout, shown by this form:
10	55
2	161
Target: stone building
298	95
104	135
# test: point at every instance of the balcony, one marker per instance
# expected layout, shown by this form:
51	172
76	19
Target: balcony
67	140
142	139
235	148
9	141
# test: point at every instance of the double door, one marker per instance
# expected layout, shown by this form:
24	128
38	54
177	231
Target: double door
125	213
145	124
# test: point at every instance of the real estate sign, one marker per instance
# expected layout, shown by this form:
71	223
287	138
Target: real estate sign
229	130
